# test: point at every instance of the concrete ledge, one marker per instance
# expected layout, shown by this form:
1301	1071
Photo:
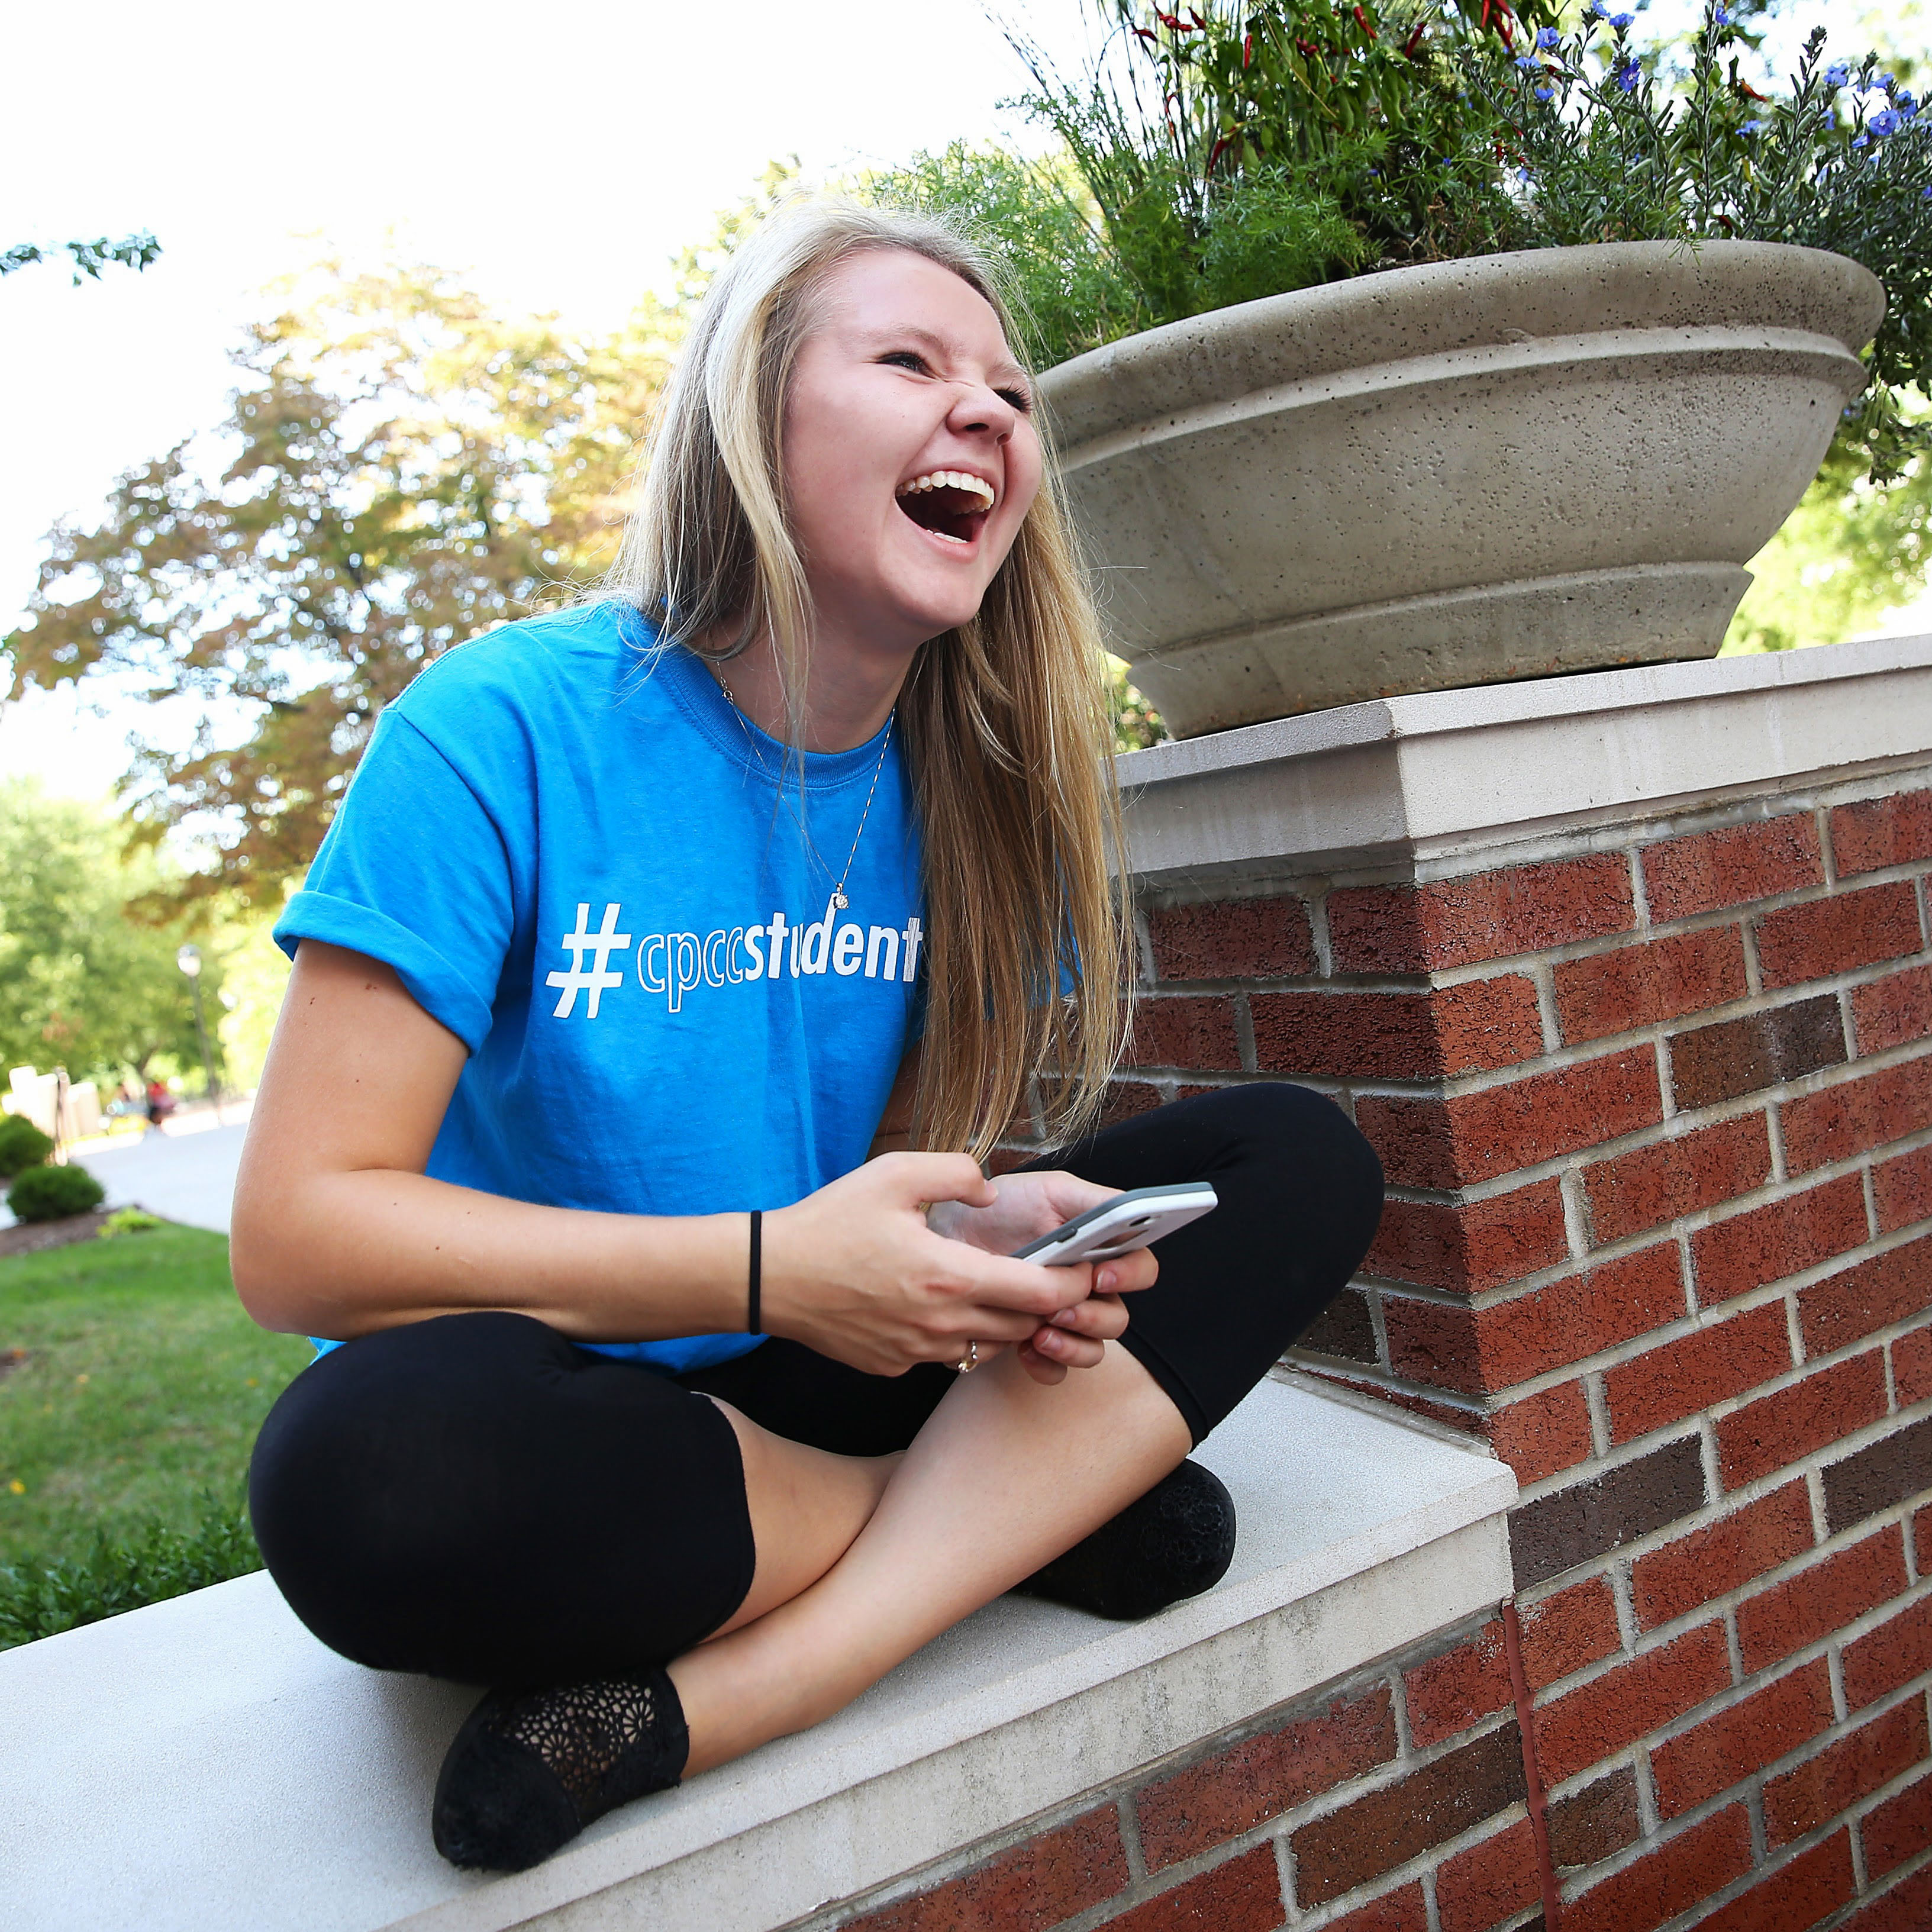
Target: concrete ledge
205	1764
1444	773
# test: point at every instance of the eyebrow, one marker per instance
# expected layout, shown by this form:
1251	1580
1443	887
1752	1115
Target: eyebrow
920	333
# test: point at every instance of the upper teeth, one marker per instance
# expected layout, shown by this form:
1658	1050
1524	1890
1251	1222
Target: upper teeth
950	479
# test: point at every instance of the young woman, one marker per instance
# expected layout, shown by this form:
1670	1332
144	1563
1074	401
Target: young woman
649	1398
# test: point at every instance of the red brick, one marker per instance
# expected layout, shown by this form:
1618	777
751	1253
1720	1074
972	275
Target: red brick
1469	1420
1620	1504
1888	1013
1479	1887
1860	1301
1484	1024
1883	832
1487	916
1757	1730
1777	1429
1654	1890
1900	1828
1596	1822
1204	1805
1895	1467
1712	1064
1846	1119
1544	1432
1038	1884
1795	1898
1565	1632
1670	1582
1899	1650
1597	1721
1633	1192
1906	1908
1903	1189
1641	986
1125	1099
1385	1829
1243	1895
1188	1029
1685	877
1435	1143
1837	1777
1921	1541
1708	1366
1820	1599
1450	1693
1402	1911
1479	1350
1765	1244
1481	1246
1912	1367
1838	934
1233	939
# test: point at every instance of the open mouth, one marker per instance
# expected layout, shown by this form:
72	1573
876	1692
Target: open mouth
950	503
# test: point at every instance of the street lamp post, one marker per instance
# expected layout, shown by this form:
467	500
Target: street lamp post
188	958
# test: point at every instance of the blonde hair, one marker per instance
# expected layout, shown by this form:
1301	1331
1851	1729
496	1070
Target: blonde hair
1004	721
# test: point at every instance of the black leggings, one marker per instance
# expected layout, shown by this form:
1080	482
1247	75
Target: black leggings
477	1498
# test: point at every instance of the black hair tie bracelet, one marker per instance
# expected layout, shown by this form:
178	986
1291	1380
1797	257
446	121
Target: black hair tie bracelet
757	1237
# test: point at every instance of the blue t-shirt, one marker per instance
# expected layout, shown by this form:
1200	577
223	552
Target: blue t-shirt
582	860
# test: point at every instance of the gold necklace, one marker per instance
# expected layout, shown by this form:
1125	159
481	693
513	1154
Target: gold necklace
837	902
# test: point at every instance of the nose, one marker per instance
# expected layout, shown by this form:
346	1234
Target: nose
983	411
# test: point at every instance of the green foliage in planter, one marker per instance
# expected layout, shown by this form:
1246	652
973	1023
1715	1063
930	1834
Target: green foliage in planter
53	1193
22	1145
1595	151
1257	146
127	1572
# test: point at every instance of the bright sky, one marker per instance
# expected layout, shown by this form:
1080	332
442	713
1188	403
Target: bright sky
562	158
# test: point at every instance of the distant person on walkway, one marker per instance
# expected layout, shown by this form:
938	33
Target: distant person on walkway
671	966
160	1102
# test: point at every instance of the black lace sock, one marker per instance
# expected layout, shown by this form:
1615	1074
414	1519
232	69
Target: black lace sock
530	1768
1175	1542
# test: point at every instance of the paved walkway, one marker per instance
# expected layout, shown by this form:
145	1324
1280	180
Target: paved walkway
183	1172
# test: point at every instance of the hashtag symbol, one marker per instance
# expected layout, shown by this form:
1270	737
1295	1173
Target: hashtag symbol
602	943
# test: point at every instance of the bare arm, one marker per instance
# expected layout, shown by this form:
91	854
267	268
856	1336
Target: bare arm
338	1231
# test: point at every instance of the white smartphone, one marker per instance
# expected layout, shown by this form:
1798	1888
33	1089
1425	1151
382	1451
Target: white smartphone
1117	1227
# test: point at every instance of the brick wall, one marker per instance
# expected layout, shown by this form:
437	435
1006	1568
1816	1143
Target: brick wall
1656	1111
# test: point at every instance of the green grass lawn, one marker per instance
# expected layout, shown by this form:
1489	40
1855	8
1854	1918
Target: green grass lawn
144	1385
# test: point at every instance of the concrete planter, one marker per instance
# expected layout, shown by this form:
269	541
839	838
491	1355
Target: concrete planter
1460	474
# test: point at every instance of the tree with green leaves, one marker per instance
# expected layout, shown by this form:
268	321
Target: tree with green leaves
406	468
88	985
86	258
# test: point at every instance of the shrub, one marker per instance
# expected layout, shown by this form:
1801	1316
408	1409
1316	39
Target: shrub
22	1145
130	1221
149	1567
53	1193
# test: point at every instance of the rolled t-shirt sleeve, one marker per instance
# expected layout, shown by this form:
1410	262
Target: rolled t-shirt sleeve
414	872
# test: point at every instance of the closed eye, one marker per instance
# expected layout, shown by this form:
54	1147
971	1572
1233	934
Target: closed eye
1014	398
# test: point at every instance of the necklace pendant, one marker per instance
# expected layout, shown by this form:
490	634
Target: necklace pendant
839	900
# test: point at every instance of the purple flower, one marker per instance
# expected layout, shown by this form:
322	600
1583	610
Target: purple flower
1752	128
1887	123
1927	195
1886	81
1720	16
1837	73
1523	174
1527	61
1861	140
1545	93
1548	38
1627	76
1620	21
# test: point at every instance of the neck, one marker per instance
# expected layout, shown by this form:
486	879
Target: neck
849	693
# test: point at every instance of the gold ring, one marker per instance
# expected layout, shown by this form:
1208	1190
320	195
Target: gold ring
968	1362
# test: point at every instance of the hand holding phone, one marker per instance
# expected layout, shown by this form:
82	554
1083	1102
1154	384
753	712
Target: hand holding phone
1134	1220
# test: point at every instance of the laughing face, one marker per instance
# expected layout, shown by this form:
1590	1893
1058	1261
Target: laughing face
910	458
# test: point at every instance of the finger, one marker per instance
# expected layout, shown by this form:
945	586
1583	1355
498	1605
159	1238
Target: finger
1140	1269
1003	1282
1075	1351
988	1326
1037	1366
937	1177
1101	1316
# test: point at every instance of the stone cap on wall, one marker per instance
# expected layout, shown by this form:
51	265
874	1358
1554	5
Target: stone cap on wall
1443	773
206	1764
